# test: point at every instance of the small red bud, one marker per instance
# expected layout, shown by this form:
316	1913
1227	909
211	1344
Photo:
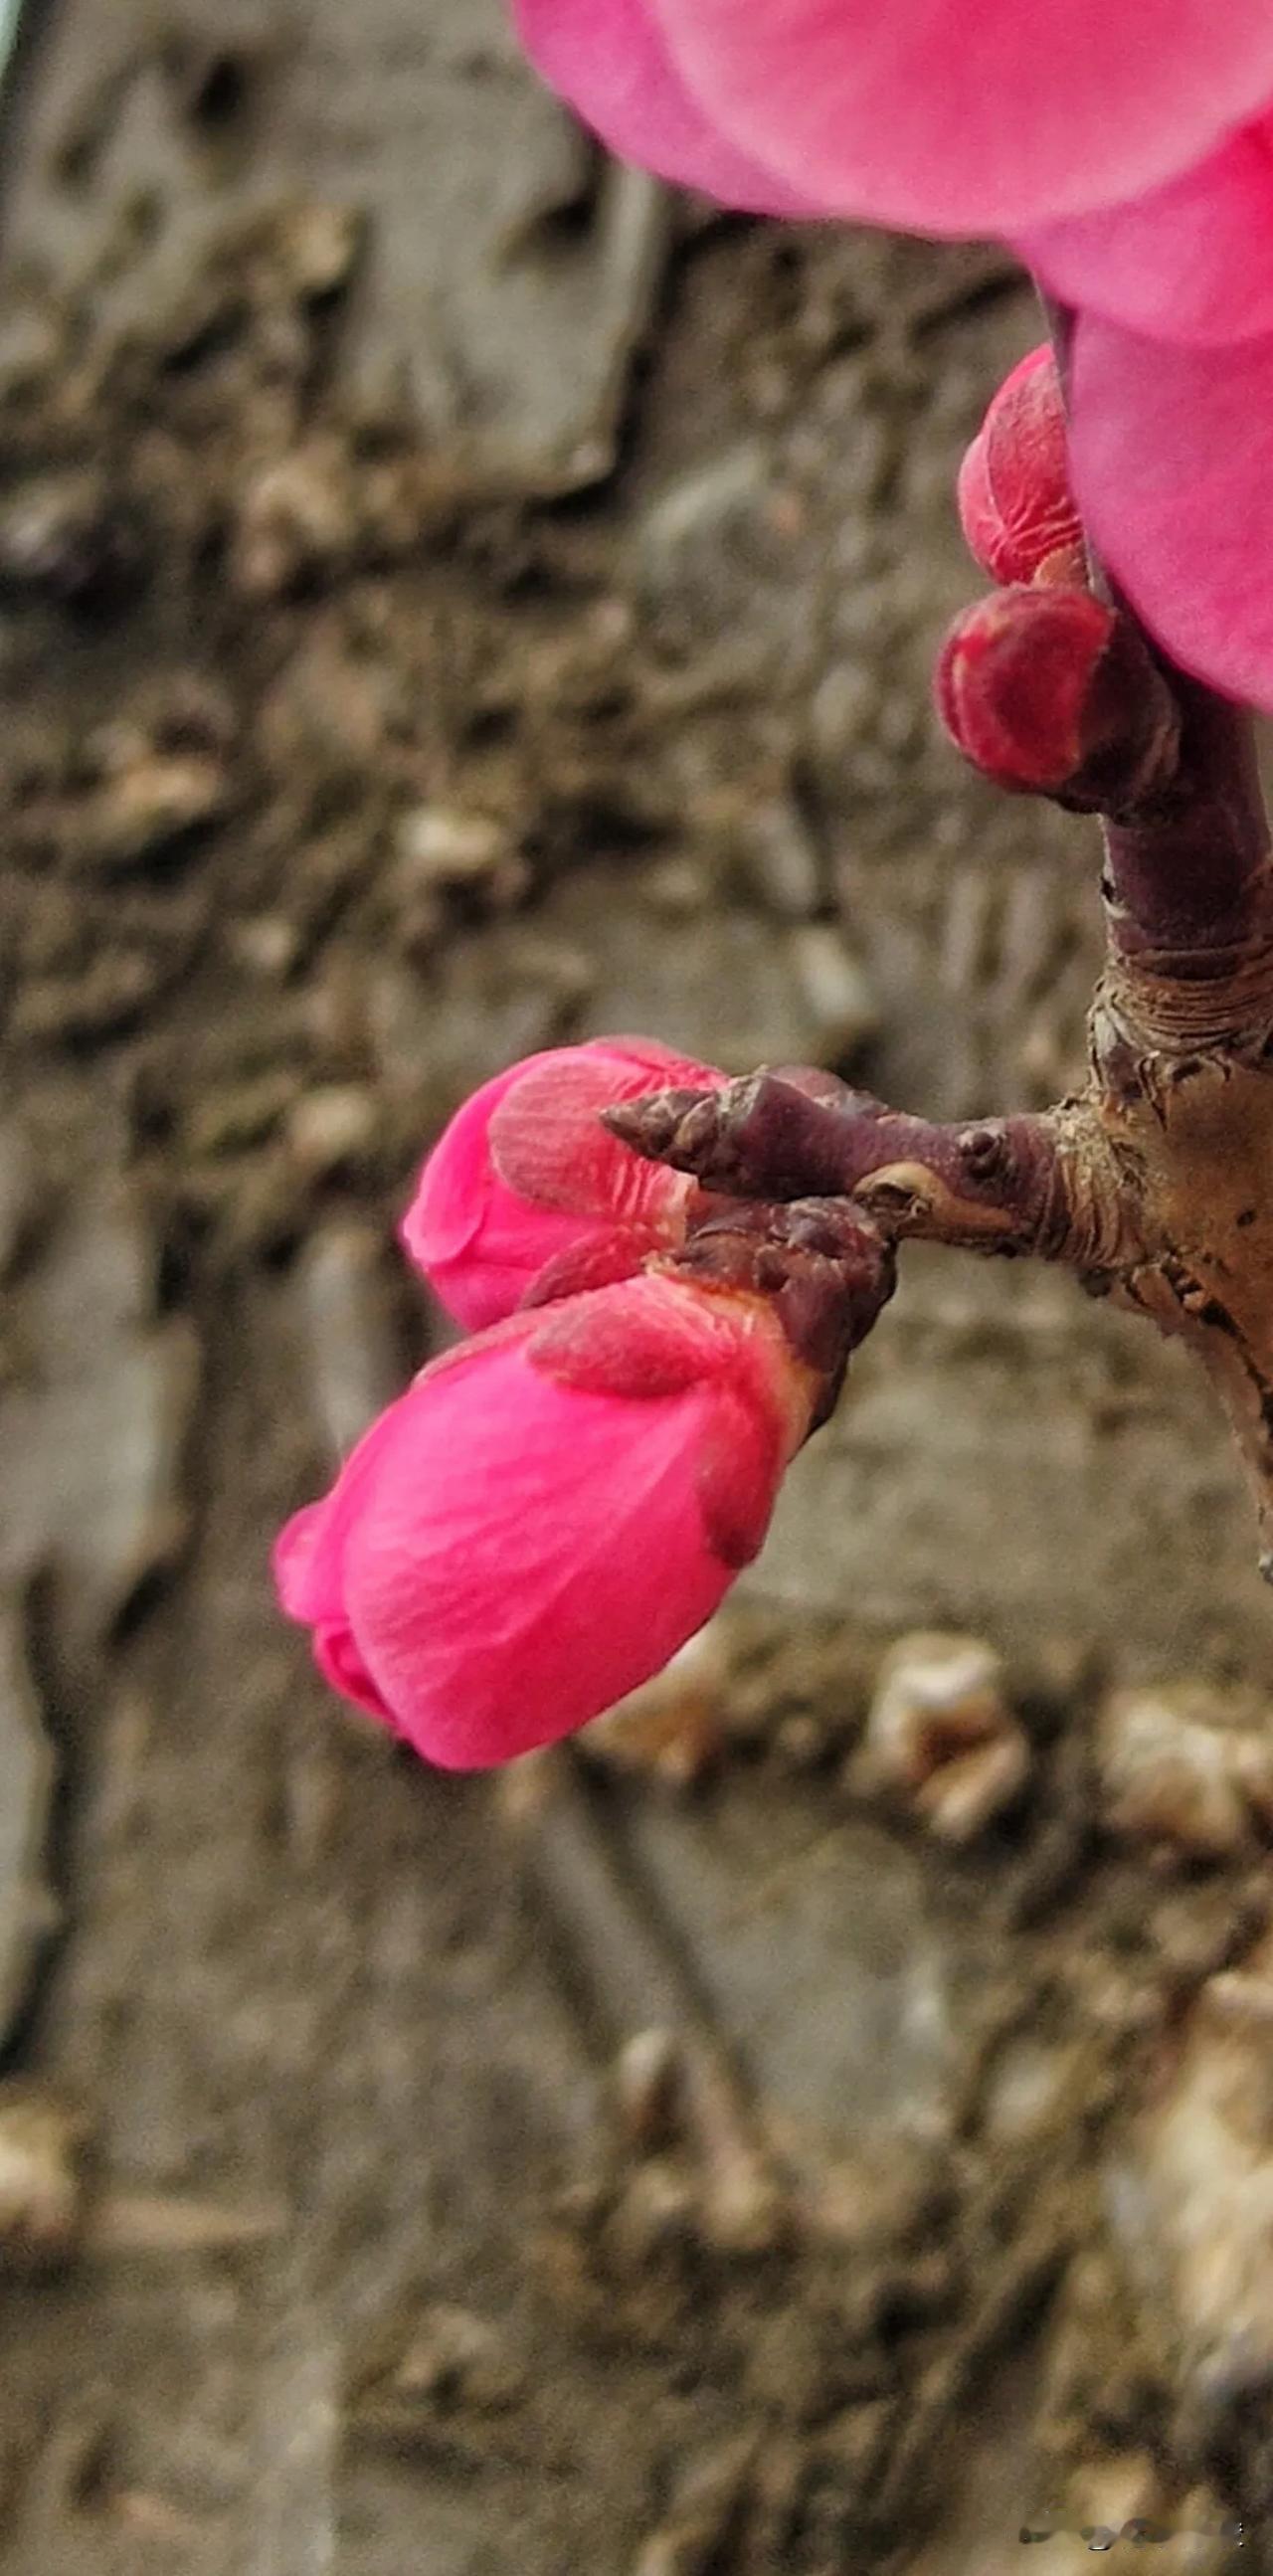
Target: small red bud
1014	681
1015	503
1047	690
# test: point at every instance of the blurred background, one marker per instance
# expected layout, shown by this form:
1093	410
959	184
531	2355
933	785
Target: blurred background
457	597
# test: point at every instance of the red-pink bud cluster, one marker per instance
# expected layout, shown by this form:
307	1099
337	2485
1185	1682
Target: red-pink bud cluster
1044	688
554	1507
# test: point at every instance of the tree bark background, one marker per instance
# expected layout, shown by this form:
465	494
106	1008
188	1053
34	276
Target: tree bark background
452	598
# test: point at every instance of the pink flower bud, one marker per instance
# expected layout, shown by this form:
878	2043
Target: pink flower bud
548	1513
1015	503
1014	681
526	1177
1052	692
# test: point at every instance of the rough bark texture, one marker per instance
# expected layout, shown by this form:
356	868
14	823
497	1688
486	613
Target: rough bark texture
344	761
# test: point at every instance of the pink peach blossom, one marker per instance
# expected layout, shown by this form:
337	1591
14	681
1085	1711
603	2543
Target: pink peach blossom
526	1179
927	114
547	1514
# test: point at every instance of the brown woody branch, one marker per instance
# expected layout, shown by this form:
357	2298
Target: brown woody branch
1156	1183
999	1185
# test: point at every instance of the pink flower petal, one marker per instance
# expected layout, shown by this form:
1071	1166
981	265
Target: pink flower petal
502	1603
739	1462
531	1550
1172	450
596	1261
340	1663
525	1179
942	117
308	1556
547	1143
475	1249
309	1569
652	1343
447	1210
1191	261
510	1551
608	60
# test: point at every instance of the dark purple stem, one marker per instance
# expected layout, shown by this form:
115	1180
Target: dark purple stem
1186	879
998	1185
1187	883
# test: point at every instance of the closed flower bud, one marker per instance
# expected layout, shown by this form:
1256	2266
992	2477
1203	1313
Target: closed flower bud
1051	692
1015	503
548	1513
525	1182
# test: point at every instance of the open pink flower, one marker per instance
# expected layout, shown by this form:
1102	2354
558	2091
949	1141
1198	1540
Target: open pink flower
548	1513
1192	260
928	114
1172	451
526	1180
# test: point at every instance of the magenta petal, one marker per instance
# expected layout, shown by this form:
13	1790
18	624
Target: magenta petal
941	116
548	1146
739	1464
510	1550
448	1207
1191	261
529	1553
340	1663
597	1261
608	60
309	1567
654	1341
476	1244
525	1178
309	1552
1172	451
